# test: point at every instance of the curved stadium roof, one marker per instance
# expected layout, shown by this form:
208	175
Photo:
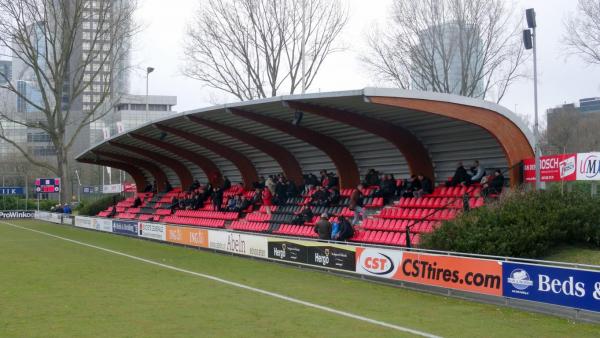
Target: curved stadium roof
394	131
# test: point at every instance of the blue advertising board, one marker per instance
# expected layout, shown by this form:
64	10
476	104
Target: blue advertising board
125	227
561	286
11	191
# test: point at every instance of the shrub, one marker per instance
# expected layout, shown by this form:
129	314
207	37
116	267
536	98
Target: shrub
17	203
93	208
522	224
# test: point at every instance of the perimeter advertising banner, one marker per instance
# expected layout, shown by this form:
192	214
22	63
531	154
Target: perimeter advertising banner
187	236
16	214
84	222
459	273
67	219
378	262
341	257
125	227
567	287
588	167
238	243
102	224
153	231
553	168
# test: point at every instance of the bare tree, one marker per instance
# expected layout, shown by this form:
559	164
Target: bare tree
582	35
466	47
65	48
253	48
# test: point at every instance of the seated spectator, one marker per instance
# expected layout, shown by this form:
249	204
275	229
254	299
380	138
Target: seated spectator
334	197
305	215
195	185
256	200
232	203
217	199
323	227
148	188
291	189
413	185
174	204
346	231
137	202
386	190
197	202
372	178
495	185
426	186
477	172
320	197
335	230
460	176
67	209
113	211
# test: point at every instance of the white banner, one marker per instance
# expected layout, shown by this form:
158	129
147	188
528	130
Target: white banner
67	219
102	224
112	188
84	222
377	262
153	231
238	243
588	166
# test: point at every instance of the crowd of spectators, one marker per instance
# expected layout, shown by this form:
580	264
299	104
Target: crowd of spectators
491	184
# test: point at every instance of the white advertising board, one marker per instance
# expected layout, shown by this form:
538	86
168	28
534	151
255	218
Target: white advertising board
588	167
238	243
153	231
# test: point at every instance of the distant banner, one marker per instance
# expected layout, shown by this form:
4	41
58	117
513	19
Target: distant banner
459	273
12	191
187	236
153	231
84	222
553	168
341	257
129	187
238	243
67	219
16	214
112	188
588	167
102	224
125	227
560	286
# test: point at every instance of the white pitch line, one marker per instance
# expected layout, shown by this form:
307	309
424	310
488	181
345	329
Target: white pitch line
238	285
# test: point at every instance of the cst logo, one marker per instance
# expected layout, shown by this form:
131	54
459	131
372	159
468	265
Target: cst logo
377	263
520	279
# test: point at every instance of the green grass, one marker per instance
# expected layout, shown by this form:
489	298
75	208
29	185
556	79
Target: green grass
575	254
53	288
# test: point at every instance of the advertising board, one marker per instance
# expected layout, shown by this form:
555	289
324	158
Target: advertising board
554	168
112	188
341	257
187	236
588	166
378	262
459	273
12	191
42	215
102	224
55	218
17	214
125	227
238	243
67	219
560	286
153	231
84	222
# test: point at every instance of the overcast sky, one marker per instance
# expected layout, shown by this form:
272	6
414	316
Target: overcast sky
561	78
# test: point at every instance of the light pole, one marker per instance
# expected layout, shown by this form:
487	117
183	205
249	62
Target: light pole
529	40
148	71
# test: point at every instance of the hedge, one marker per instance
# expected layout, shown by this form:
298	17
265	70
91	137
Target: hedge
17	203
522	224
94	207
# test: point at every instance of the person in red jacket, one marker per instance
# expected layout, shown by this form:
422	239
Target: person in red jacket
267	197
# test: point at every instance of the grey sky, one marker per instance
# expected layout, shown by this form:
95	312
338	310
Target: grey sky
562	79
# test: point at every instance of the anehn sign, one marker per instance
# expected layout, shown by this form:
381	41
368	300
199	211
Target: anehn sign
553	168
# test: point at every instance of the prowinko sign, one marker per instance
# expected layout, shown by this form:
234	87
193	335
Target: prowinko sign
16	214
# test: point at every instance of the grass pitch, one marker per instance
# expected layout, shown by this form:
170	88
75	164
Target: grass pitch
53	288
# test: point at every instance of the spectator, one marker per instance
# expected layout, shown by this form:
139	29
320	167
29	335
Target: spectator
195	185
305	215
174	204
477	172
137	202
335	230
320	197
243	203
346	230
67	209
148	187
413	185
372	178
291	189
323	227
226	183
257	198
270	184
267	200
426	186
231	203
113	211
495	185
334	196
197	202
460	176
356	203
217	199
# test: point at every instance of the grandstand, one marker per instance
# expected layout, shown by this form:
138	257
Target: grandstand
397	132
